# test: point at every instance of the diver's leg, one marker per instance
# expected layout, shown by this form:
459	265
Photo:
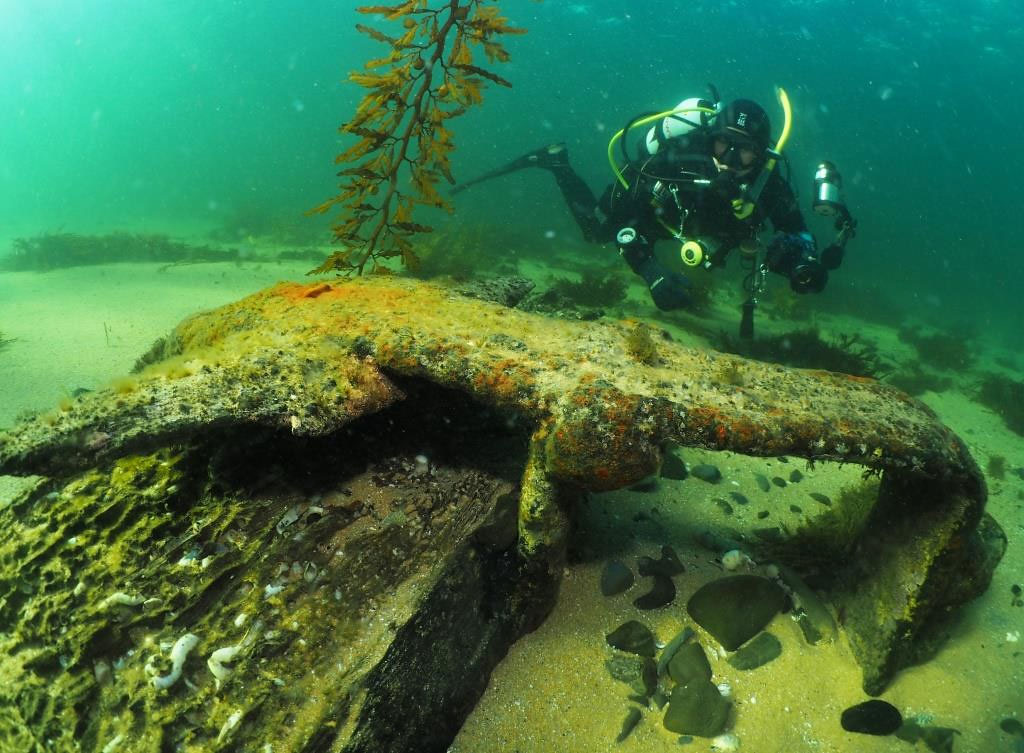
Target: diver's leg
577	194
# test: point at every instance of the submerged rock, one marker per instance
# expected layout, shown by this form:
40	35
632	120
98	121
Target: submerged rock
696	708
633	637
673	467
689	663
758	652
616	578
632	719
662	592
707	472
736	608
874	717
668	564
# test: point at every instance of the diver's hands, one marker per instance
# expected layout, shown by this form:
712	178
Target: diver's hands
795	255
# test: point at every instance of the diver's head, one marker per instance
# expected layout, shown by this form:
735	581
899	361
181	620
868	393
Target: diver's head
741	136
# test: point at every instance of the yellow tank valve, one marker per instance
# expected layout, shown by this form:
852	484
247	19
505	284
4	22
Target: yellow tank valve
692	253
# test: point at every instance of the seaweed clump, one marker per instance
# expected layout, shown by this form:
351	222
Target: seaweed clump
414	90
58	250
805	349
940	349
915	380
641	346
1004	396
830	538
595	288
996	467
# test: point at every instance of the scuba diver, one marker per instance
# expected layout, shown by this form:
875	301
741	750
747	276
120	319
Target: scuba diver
706	176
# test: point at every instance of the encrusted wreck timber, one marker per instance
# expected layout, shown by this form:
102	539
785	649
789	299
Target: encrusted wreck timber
598	417
259	589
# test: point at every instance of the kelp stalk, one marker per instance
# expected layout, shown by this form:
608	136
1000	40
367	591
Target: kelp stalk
401	125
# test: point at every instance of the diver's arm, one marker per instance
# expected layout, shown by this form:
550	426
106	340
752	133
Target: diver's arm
781	206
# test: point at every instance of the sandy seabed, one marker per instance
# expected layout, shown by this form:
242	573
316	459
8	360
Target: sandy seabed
82	327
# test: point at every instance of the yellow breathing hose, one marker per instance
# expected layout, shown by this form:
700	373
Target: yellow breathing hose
743	207
644	121
787	124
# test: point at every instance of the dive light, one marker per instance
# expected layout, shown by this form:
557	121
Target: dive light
828	184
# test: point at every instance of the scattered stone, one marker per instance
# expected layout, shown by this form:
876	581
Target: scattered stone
795	476
737	607
696	709
795	508
689	664
662	592
758	652
771	534
739	498
707	472
670	650
819	497
762	514
762	482
673	467
633	637
779	482
1012	726
627	669
616	578
723	505
631	720
668	564
874	717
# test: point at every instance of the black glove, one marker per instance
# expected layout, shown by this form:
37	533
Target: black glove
794	255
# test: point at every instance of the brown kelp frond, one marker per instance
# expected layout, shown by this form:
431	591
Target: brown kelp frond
403	153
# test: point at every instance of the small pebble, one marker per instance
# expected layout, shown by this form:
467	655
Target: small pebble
874	717
819	497
723	505
1012	726
739	498
633	637
795	476
762	482
615	578
707	472
762	514
779	481
631	720
795	508
673	468
662	592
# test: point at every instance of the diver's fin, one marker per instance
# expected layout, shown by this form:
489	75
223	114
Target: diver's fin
548	157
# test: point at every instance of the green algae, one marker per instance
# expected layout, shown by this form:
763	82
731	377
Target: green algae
105	572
